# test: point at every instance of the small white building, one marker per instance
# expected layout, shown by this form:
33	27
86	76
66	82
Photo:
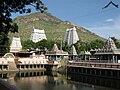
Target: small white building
37	35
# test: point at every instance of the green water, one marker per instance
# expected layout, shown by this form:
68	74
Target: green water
55	81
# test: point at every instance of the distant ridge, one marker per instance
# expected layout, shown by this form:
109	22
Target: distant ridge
54	27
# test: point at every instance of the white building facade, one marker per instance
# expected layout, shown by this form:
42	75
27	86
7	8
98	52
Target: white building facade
37	35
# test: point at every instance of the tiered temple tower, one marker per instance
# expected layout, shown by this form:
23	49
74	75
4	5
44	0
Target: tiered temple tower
110	44
16	45
71	36
37	35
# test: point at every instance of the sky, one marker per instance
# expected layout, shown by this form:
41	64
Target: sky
88	14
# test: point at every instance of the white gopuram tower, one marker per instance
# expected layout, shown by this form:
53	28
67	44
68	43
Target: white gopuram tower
16	45
37	35
71	36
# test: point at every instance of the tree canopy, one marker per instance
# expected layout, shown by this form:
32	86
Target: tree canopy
7	7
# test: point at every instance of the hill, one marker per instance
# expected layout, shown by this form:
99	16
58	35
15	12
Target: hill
54	27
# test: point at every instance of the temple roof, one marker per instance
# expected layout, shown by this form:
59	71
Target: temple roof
109	44
56	51
55	48
85	53
73	50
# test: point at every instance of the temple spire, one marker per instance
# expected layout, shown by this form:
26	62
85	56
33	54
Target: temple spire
55	48
73	50
109	44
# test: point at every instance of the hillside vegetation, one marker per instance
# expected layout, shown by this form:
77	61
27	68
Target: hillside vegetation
54	28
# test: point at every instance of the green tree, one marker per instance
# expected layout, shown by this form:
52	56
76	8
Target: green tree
96	44
29	44
86	46
66	48
81	46
41	44
45	44
7	7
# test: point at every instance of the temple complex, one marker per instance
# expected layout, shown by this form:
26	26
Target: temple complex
37	35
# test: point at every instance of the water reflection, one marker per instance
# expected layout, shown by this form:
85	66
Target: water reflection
95	81
38	80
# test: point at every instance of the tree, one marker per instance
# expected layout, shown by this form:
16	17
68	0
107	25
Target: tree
45	44
86	46
96	44
66	47
28	44
7	7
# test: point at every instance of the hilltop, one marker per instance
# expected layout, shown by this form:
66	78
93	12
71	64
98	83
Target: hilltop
54	27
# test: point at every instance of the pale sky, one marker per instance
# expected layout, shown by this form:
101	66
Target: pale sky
88	14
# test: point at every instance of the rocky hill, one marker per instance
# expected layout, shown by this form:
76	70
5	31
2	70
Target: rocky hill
54	27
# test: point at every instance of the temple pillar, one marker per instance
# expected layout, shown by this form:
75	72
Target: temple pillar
56	57
116	59
108	58
19	66
113	59
111	73
117	73
2	67
100	73
85	57
105	73
89	58
90	71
